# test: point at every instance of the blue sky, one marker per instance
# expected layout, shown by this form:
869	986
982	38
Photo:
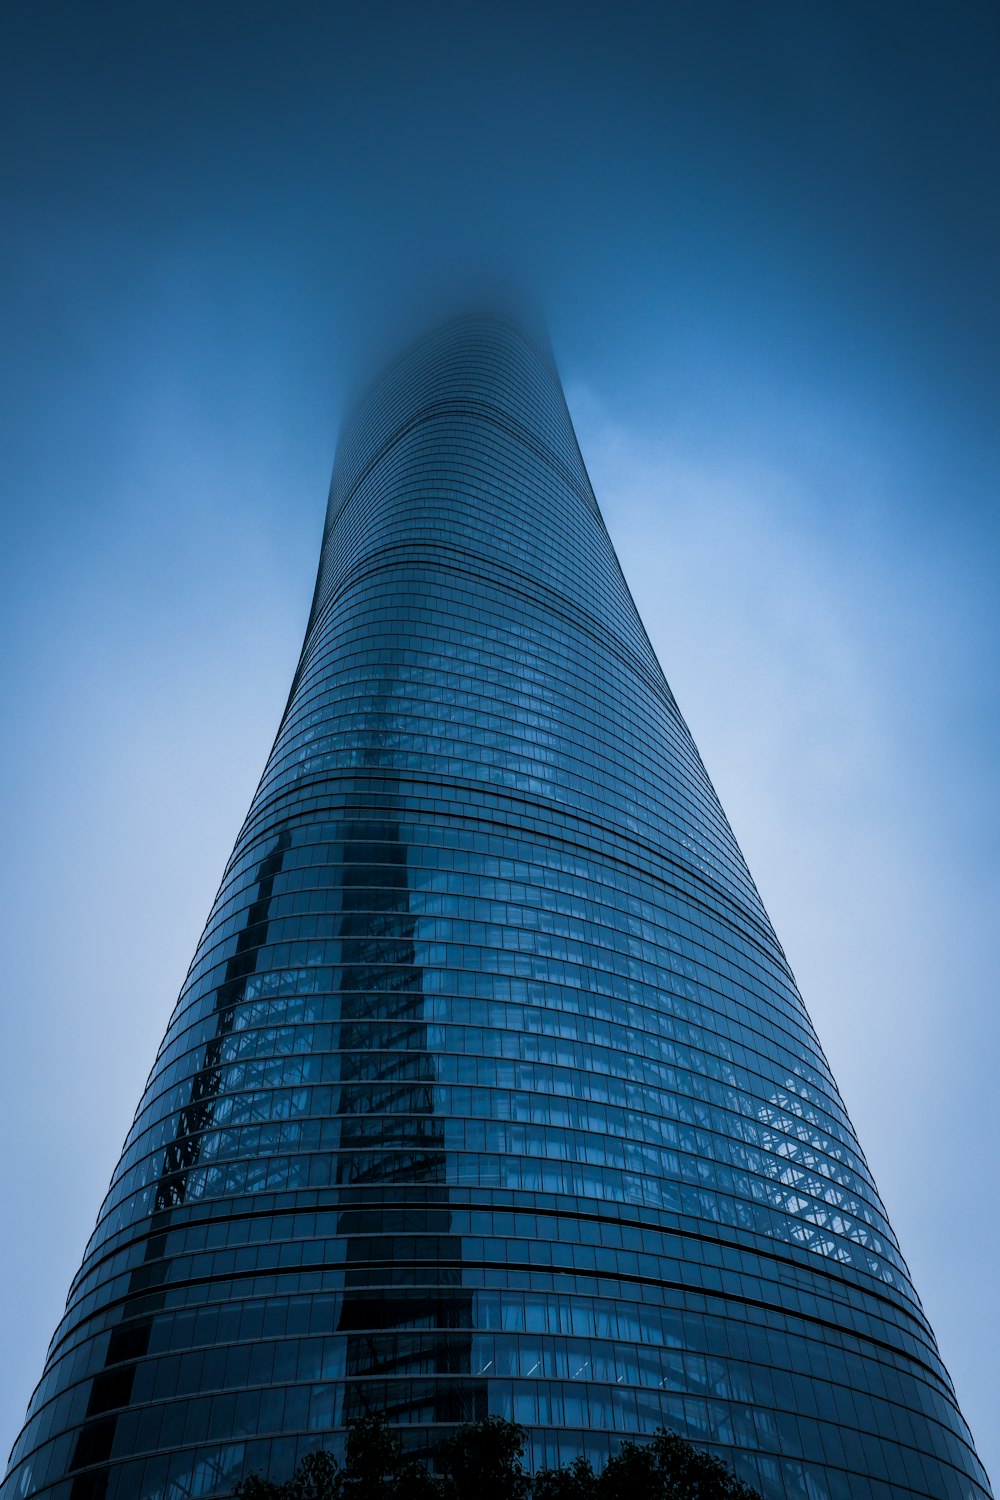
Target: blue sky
766	239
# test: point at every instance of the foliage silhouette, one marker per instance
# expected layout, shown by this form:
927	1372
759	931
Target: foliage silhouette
372	1460
318	1477
575	1481
484	1461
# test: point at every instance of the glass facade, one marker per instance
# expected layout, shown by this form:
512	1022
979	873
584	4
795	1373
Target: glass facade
489	1087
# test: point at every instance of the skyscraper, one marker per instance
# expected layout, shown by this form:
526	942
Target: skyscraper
489	1087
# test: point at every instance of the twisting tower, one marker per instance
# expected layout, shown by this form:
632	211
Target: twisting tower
489	1087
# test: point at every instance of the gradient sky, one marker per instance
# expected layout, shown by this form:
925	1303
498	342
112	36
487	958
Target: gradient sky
766	237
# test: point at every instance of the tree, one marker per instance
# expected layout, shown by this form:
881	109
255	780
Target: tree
318	1477
630	1474
373	1470
372	1460
668	1468
484	1461
416	1482
575	1481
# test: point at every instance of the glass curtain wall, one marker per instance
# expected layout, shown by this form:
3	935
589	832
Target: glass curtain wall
489	1087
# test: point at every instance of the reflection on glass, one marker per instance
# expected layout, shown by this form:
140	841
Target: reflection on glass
489	1087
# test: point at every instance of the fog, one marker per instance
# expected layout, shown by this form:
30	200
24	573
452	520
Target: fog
765	243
